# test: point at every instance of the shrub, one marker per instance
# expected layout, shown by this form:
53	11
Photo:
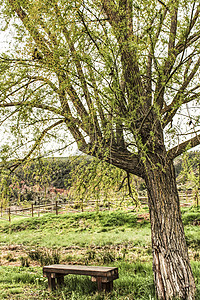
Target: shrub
24	261
45	256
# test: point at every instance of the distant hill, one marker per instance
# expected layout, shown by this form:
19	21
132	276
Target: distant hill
57	170
44	174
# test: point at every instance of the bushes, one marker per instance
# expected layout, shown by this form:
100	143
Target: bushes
45	256
190	218
118	219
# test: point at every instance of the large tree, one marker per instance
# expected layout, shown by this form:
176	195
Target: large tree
122	77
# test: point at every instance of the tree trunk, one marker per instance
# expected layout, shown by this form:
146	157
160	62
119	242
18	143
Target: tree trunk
172	271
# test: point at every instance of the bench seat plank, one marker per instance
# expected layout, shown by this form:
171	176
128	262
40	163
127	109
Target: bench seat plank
81	270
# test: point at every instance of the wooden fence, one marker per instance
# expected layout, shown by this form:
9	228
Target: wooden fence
57	206
34	210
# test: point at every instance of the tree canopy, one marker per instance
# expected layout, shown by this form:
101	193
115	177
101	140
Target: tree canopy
101	70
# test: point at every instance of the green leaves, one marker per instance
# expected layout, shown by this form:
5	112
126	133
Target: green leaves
99	180
112	71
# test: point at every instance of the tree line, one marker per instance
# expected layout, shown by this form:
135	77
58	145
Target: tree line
78	175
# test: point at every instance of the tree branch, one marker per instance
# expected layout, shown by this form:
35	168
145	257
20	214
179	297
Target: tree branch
169	62
37	143
120	22
122	159
172	35
176	103
173	53
47	81
29	25
30	104
179	149
181	45
161	2
79	71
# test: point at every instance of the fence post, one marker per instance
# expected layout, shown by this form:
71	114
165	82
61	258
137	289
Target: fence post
9	215
32	209
56	207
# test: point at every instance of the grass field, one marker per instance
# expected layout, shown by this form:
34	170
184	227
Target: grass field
107	238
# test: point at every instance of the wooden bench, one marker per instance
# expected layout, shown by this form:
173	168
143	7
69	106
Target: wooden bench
104	276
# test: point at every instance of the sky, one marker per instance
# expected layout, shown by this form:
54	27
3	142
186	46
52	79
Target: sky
6	38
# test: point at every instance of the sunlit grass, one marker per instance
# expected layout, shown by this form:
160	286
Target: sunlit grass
77	229
109	238
135	282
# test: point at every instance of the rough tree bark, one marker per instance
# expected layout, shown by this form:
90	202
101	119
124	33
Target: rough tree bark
172	271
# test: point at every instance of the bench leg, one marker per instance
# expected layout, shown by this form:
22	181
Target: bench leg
99	284
107	286
104	286
51	283
60	280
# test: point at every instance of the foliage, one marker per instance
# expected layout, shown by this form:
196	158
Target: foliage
47	172
103	73
35	178
98	180
45	256
86	178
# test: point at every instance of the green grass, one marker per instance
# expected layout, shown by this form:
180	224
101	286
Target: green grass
65	238
83	229
108	238
70	220
76	229
190	215
135	282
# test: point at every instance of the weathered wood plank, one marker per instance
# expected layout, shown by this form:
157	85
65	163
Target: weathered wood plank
81	270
